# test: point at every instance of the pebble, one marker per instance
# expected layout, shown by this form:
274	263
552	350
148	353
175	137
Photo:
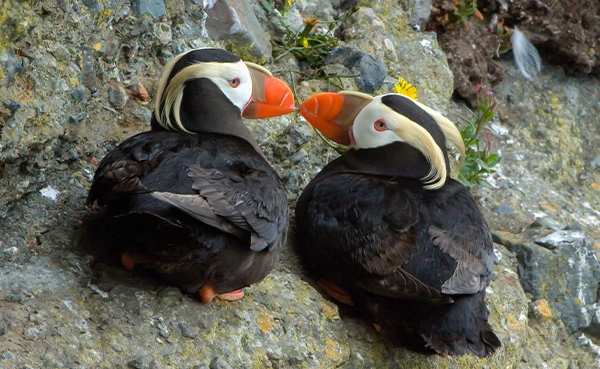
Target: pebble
15	298
165	56
88	71
78	94
78	118
32	333
155	8
7	356
162	32
299	134
219	363
298	156
138	91
117	96
188	331
502	209
143	114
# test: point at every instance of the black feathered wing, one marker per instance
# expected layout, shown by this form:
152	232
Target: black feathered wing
225	192
234	201
368	226
464	236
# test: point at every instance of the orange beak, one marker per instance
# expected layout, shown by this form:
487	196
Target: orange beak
333	113
270	96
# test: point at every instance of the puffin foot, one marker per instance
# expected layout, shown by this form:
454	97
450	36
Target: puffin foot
231	296
335	291
207	294
377	327
443	356
127	261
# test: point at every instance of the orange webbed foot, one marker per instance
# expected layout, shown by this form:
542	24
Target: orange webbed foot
232	296
127	261
336	292
207	294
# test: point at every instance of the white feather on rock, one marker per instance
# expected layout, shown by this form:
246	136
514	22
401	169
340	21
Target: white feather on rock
526	55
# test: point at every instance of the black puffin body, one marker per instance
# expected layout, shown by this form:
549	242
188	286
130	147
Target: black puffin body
383	228
194	200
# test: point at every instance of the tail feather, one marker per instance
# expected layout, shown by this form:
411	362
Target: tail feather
456	328
462	328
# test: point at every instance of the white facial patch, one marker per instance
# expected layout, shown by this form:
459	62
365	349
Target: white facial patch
221	74
399	129
225	73
363	129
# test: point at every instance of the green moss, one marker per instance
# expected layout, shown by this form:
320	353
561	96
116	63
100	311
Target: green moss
246	51
16	19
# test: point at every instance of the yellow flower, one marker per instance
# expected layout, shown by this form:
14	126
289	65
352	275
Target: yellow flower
304	42
311	21
289	3
405	88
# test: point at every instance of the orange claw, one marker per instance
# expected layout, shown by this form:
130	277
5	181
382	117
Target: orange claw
443	356
336	292
127	261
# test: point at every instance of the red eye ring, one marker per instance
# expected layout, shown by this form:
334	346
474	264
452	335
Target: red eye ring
380	125
235	83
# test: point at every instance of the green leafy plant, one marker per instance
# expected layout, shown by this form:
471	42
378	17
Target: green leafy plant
479	161
306	44
464	10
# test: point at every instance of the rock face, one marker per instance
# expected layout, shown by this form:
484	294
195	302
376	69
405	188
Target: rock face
561	30
564	253
73	86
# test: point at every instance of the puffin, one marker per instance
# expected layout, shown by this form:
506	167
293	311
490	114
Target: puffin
385	230
194	200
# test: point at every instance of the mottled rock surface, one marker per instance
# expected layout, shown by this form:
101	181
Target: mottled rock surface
564	31
63	305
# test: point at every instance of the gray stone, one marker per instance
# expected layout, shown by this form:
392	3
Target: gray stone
88	71
234	23
219	363
155	8
165	55
564	271
371	73
162	32
419	12
502	210
188	331
78	118
596	162
562	240
11	64
117	95
143	114
93	5
78	94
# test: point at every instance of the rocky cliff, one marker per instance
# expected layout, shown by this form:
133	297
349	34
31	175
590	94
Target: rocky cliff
77	77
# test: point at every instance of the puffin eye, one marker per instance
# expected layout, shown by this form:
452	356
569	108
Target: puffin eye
234	82
380	125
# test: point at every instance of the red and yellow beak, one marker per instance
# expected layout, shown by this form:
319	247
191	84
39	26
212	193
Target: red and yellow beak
270	96
333	113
